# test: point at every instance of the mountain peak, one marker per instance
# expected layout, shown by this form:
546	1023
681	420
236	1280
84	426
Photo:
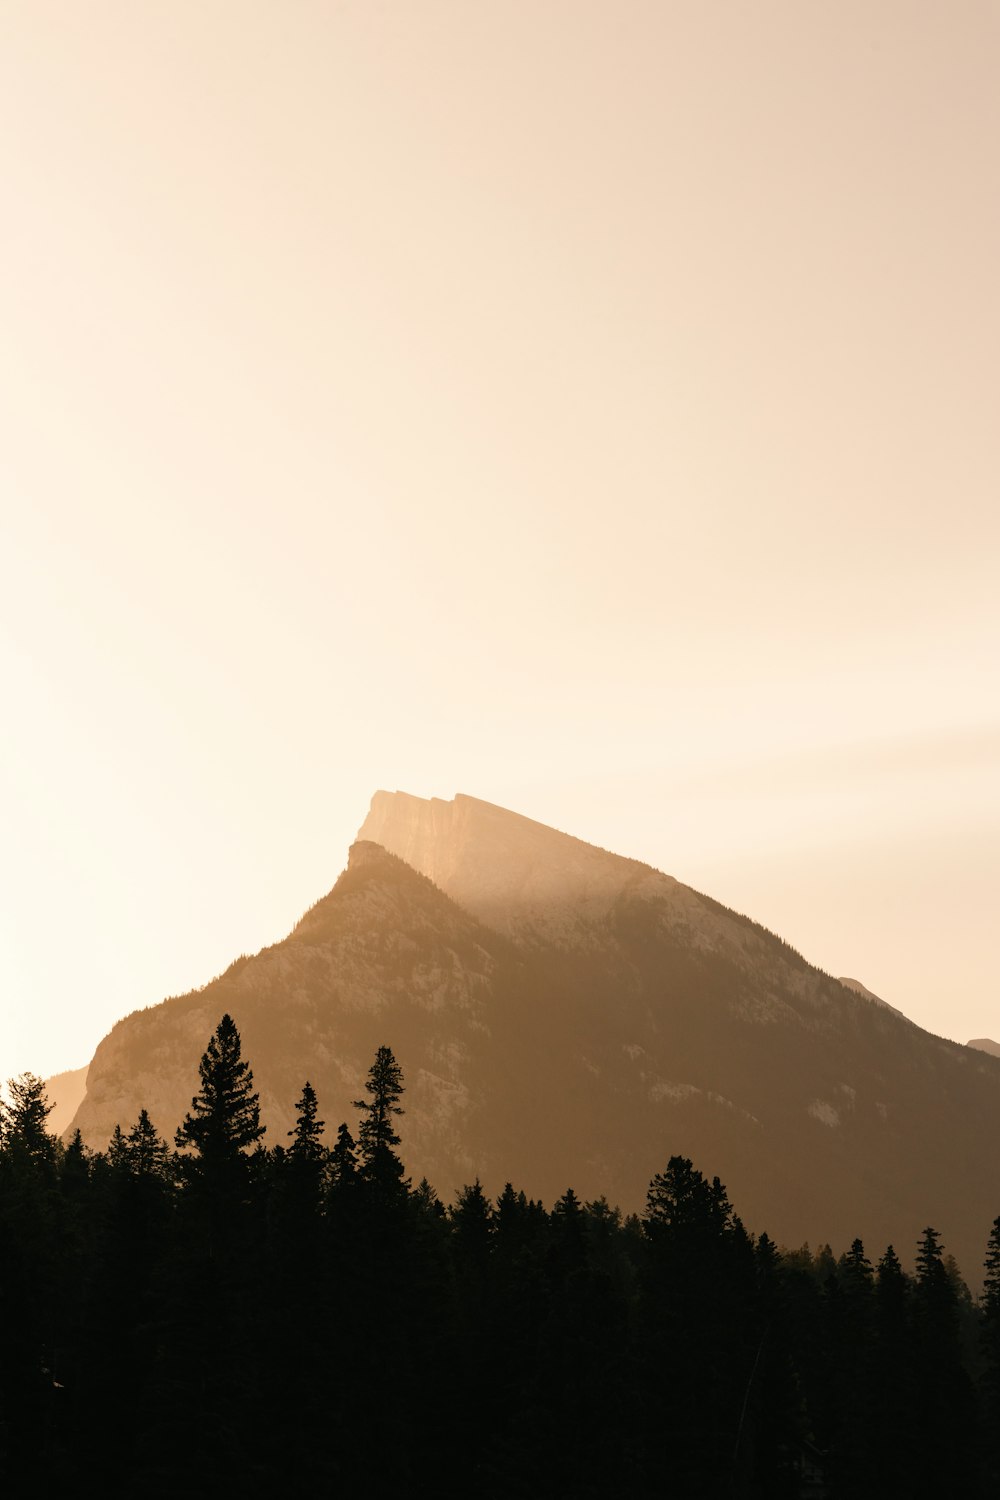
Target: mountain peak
508	870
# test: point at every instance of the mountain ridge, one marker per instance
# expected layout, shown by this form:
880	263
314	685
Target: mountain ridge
609	1018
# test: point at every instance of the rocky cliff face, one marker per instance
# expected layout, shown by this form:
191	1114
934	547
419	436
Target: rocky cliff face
564	1017
516	875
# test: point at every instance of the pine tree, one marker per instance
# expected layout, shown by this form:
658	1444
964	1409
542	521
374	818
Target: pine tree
682	1201
895	1467
300	1171
943	1398
473	1222
25	1129
307	1136
118	1150
698	1345
147	1151
225	1115
74	1165
377	1136
223	1123
991	1303
343	1159
990	1333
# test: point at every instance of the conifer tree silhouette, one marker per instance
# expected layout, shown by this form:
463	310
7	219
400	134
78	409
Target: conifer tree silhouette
146	1151
307	1135
343	1158
225	1114
377	1134
24	1119
991	1305
223	1122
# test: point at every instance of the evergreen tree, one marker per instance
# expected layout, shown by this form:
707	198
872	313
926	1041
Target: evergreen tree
699	1341
25	1128
146	1151
991	1307
943	1406
681	1203
225	1114
473	1223
118	1150
851	1395
343	1159
377	1135
307	1136
894	1358
299	1172
991	1281
74	1166
990	1334
215	1140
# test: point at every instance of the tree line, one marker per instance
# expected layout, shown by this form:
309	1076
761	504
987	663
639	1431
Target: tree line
215	1317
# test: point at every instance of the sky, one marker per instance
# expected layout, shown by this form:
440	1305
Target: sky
586	406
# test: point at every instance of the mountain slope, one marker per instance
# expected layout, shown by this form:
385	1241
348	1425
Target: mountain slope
384	958
65	1092
860	989
565	1016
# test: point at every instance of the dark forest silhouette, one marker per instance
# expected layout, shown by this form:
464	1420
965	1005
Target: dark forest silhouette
223	1318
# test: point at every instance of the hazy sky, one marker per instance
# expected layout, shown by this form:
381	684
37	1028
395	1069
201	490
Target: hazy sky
591	407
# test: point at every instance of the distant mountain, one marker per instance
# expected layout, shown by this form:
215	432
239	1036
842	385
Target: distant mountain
983	1044
565	1016
65	1093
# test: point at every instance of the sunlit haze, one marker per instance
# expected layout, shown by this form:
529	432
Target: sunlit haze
588	407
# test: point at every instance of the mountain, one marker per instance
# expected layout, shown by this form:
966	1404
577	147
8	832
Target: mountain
65	1092
983	1044
565	1016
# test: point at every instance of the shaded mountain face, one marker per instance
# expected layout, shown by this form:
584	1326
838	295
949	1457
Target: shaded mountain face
564	1016
65	1092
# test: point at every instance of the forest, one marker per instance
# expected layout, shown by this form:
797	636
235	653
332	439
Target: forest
214	1316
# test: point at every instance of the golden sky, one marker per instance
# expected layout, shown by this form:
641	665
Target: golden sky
591	407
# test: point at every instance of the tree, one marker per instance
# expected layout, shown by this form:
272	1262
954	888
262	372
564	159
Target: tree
377	1135
225	1115
943	1397
146	1151
307	1135
699	1340
300	1171
473	1222
895	1466
343	1159
118	1150
990	1331
991	1303
24	1120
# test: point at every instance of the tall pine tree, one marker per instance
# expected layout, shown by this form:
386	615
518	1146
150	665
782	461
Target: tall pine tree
377	1134
225	1114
